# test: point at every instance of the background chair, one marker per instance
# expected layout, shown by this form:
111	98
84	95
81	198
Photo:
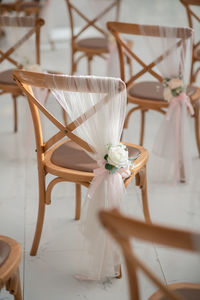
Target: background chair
66	159
123	229
191	6
31	27
147	94
10	256
28	8
97	45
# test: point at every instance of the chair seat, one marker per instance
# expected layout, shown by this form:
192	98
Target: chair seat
186	293
4	252
71	156
93	43
152	90
6	77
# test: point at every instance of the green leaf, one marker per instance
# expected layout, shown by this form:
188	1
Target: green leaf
106	157
109	167
114	169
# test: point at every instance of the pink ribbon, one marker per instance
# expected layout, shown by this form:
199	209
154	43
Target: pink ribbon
175	104
100	174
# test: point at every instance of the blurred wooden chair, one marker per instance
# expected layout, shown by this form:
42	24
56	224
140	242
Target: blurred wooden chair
32	28
123	229
145	95
10	257
66	159
91	46
190	6
27	8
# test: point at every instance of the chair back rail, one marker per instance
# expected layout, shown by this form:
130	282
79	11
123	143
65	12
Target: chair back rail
115	4
33	26
118	28
26	79
123	229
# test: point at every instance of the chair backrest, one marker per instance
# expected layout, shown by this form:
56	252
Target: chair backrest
28	80
21	6
93	20
180	35
31	26
192	15
123	229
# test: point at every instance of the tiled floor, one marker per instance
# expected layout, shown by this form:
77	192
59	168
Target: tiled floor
50	275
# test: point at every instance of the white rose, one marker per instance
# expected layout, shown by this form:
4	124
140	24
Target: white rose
33	68
118	156
167	94
175	83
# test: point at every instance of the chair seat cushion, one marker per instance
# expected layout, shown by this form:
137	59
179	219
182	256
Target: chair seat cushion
152	90
6	77
94	43
71	156
186	293
4	252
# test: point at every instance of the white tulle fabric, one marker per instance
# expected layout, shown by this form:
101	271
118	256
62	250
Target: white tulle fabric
170	158
99	257
14	33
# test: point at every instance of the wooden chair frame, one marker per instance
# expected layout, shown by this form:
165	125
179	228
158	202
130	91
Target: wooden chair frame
33	26
193	16
9	271
25	80
117	28
33	8
123	229
89	53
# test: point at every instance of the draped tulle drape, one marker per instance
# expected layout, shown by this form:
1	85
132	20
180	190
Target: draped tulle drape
99	117
171	51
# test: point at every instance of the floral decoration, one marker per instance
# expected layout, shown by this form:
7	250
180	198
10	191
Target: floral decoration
116	158
173	87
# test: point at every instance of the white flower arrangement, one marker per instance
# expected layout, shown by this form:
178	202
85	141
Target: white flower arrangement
116	158
172	88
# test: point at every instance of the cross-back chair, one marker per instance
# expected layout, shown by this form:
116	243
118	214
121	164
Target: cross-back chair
92	46
28	8
10	257
123	229
145	95
66	159
32	27
192	16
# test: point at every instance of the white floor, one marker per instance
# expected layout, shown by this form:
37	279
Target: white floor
50	275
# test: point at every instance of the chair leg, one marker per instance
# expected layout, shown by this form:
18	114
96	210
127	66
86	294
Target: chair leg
196	122
73	64
89	59
15	112
142	126
18	294
141	181
120	273
41	213
78	202
192	72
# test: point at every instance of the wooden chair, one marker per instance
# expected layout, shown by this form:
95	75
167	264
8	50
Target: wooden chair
190	6
123	229
7	85
28	8
93	46
147	95
65	159
10	257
